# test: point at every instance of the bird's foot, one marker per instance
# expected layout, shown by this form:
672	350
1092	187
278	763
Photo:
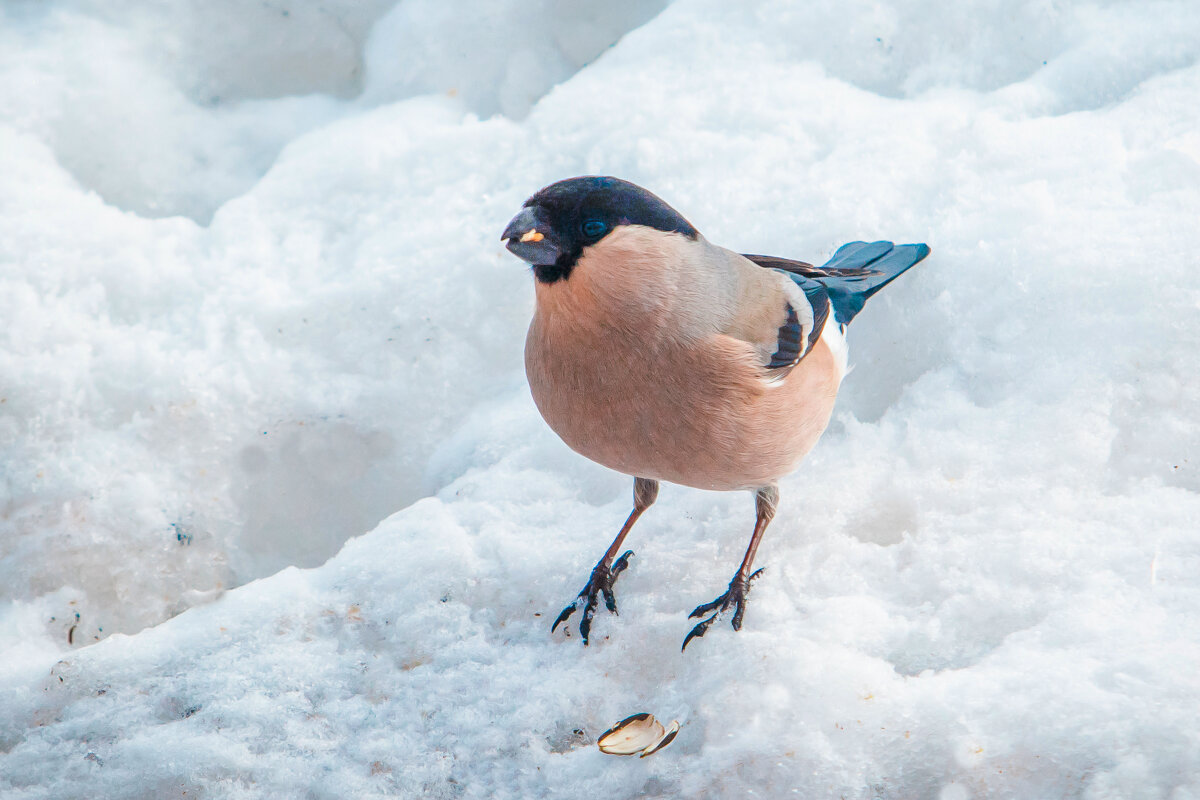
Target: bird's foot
600	583
735	598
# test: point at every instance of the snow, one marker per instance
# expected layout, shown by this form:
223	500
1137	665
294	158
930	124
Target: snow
279	519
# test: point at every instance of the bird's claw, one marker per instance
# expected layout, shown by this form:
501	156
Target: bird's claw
734	597
600	583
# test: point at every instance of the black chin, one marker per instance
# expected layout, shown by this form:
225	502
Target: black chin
550	273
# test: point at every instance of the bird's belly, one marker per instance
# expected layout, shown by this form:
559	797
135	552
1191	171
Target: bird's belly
697	416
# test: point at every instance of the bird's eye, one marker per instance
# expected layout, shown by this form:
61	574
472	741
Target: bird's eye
594	228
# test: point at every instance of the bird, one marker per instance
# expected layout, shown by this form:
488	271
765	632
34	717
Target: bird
663	356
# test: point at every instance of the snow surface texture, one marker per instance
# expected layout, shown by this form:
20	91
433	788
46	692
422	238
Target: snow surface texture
255	305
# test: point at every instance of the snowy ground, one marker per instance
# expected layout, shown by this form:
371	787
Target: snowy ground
261	359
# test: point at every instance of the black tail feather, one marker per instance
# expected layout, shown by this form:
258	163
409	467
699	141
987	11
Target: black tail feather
860	269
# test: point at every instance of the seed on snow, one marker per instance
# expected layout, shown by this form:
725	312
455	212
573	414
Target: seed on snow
641	734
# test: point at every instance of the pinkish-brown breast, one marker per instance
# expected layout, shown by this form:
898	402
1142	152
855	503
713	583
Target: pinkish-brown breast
696	412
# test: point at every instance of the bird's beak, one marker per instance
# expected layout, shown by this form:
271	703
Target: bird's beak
530	237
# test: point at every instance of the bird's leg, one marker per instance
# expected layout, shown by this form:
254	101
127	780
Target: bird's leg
604	575
765	501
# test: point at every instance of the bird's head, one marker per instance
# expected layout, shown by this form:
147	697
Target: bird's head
558	224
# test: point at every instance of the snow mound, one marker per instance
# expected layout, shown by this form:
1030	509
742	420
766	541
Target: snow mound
170	109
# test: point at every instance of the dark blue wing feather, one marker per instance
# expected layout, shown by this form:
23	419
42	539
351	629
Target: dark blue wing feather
788	342
791	348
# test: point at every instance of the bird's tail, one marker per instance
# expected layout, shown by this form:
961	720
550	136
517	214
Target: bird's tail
860	269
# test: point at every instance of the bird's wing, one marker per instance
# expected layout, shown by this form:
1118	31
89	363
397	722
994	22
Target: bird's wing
855	272
785	264
840	266
782	313
795	339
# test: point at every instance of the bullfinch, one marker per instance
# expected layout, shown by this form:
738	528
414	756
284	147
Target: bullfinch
659	354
